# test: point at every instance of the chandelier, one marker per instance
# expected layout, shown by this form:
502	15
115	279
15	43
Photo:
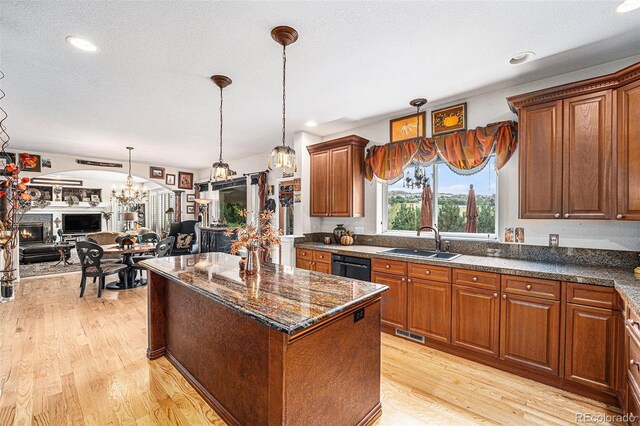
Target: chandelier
220	170
130	194
420	176
283	156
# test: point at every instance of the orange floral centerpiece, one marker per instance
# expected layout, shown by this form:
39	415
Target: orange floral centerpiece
15	202
260	235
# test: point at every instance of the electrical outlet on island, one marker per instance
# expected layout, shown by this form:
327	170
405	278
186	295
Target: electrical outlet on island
554	240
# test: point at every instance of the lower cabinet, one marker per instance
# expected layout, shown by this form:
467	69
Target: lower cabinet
591	340
429	309
318	261
476	319
530	332
393	305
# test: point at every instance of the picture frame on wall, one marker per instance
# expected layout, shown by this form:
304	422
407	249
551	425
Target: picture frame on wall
191	209
185	180
191	198
37	167
406	128
156	172
449	119
170	179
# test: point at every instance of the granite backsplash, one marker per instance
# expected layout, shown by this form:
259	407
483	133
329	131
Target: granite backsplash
580	256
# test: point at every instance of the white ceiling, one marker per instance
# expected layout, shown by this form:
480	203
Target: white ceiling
149	87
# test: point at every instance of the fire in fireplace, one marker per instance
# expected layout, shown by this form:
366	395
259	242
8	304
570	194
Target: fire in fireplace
31	233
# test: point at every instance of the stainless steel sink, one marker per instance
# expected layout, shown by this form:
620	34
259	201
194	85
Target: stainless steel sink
427	254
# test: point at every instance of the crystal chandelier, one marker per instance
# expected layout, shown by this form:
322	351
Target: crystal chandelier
130	194
420	176
220	170
282	155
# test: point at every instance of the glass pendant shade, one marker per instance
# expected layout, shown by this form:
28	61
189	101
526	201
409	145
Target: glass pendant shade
283	157
221	171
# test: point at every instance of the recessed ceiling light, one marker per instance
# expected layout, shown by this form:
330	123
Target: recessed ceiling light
521	57
82	44
311	123
628	6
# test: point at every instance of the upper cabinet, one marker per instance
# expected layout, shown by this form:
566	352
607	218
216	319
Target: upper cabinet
337	177
579	149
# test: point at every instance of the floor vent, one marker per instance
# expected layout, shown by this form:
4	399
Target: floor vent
412	336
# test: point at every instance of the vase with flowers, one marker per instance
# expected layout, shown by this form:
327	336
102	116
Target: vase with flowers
255	237
15	200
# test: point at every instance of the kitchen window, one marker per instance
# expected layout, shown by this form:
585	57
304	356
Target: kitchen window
401	203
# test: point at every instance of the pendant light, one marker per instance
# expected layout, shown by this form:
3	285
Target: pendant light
420	176
130	194
283	156
220	170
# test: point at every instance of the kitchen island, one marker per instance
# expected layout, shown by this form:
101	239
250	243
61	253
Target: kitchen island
285	346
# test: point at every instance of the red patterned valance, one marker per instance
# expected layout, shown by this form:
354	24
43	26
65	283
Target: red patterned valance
465	152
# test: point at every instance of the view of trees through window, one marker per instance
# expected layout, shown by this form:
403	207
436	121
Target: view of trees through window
450	194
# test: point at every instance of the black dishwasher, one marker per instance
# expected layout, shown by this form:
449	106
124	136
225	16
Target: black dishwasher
351	267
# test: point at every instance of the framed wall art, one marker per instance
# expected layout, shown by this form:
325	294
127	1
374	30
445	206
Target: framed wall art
407	127
185	180
191	209
191	198
156	172
170	179
449	119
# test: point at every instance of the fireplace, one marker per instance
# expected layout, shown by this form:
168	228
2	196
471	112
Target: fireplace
31	232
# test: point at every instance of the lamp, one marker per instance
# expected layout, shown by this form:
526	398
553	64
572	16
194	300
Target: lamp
202	210
220	170
420	176
282	155
130	194
170	211
128	217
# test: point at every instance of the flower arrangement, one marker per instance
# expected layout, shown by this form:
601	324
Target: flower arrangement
15	197
260	234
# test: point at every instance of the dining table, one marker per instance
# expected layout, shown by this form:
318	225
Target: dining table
128	253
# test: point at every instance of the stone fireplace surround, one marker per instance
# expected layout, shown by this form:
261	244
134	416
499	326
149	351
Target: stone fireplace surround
46	220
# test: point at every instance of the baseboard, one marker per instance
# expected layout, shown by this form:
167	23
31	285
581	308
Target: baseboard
372	416
155	354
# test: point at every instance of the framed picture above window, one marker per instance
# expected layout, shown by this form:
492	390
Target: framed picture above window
185	180
449	119
407	127
156	172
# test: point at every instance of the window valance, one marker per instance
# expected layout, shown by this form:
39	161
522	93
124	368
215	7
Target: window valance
465	152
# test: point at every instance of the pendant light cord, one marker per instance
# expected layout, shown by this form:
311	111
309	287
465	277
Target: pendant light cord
220	125
418	123
129	161
284	91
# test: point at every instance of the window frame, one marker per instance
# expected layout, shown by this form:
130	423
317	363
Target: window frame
382	213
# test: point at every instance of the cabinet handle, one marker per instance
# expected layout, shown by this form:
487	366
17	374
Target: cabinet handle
408	280
387	266
633	323
566	215
528	287
474	279
504	296
620	216
495	294
557	215
403	279
427	272
635	363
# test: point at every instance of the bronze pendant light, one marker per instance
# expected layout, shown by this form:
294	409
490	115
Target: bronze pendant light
220	170
283	156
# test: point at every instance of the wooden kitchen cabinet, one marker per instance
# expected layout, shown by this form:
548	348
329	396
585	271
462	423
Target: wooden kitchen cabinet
337	177
476	319
628	155
393	306
313	260
429	309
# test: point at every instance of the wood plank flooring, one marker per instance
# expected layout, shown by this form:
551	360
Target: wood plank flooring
71	361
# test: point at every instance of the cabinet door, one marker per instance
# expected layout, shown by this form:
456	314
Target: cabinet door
587	156
628	161
530	332
394	301
429	312
325	268
540	161
340	172
590	352
304	264
320	183
476	319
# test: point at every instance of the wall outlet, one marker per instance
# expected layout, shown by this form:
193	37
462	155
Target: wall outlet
554	240
358	230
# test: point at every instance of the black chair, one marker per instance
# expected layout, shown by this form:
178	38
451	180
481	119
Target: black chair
149	237
185	227
90	255
163	249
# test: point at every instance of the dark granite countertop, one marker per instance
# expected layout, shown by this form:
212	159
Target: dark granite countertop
284	298
622	279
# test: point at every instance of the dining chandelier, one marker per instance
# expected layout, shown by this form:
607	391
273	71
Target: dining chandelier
420	176
283	156
220	170
130	193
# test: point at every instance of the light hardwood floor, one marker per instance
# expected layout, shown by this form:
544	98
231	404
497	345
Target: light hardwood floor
65	360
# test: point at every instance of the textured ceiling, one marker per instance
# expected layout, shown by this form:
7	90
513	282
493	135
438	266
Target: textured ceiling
149	87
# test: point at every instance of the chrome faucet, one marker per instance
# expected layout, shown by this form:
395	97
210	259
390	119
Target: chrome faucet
436	232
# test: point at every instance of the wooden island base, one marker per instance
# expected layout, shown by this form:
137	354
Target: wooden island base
253	374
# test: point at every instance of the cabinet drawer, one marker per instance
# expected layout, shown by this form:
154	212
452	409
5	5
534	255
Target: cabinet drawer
534	287
591	295
389	266
322	257
432	273
486	280
304	254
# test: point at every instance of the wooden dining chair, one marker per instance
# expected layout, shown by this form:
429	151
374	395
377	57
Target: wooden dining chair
163	249
90	255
